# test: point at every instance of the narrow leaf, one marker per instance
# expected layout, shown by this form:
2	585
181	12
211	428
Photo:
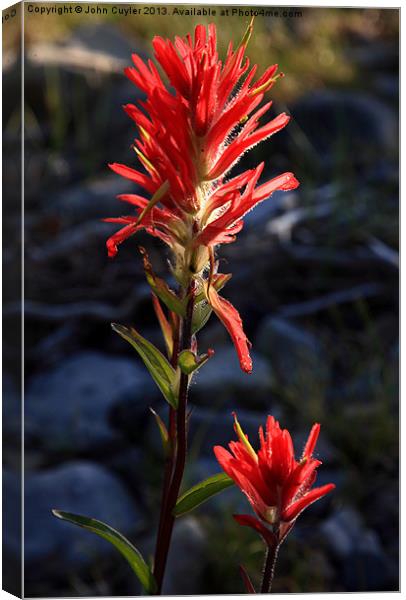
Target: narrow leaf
201	314
247	581
133	556
159	194
161	288
163	432
161	371
202	492
165	325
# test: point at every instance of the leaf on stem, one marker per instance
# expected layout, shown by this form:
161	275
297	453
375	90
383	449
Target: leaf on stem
189	362
247	581
202	309
201	314
163	432
161	371
159	194
165	325
133	556
201	492
218	281
161	288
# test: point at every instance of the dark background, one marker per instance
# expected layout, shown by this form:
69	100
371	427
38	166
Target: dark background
315	278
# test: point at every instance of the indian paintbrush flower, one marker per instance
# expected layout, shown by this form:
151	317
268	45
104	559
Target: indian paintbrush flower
277	486
190	135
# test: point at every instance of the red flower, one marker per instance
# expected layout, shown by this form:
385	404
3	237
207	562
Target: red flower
277	486
189	137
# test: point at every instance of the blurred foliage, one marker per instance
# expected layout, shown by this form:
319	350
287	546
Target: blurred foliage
316	44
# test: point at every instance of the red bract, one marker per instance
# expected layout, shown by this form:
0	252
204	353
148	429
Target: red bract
190	134
277	486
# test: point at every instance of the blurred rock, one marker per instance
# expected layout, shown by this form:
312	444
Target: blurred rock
366	568
222	378
387	86
380	55
55	548
265	211
97	47
341	531
93	199
67	409
186	559
328	116
128	465
296	355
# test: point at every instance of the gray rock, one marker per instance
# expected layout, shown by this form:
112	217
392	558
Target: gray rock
54	548
366	568
269	209
223	378
341	532
67	409
328	116
295	354
91	49
186	559
104	39
93	199
387	86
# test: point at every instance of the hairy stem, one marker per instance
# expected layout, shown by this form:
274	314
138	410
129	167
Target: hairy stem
269	567
178	457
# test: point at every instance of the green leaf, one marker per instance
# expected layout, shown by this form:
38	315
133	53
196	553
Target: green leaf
159	194
163	432
202	492
166	327
189	362
218	281
201	314
161	288
133	556
202	309
161	371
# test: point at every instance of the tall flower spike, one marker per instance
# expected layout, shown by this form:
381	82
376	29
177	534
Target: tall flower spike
190	134
277	486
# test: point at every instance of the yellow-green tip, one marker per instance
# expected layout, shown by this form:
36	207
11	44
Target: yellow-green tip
243	438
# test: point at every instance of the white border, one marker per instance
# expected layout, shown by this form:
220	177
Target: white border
296	3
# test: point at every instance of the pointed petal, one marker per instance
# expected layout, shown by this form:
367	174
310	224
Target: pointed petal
283	182
297	507
231	319
119	237
311	441
140	178
254	523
